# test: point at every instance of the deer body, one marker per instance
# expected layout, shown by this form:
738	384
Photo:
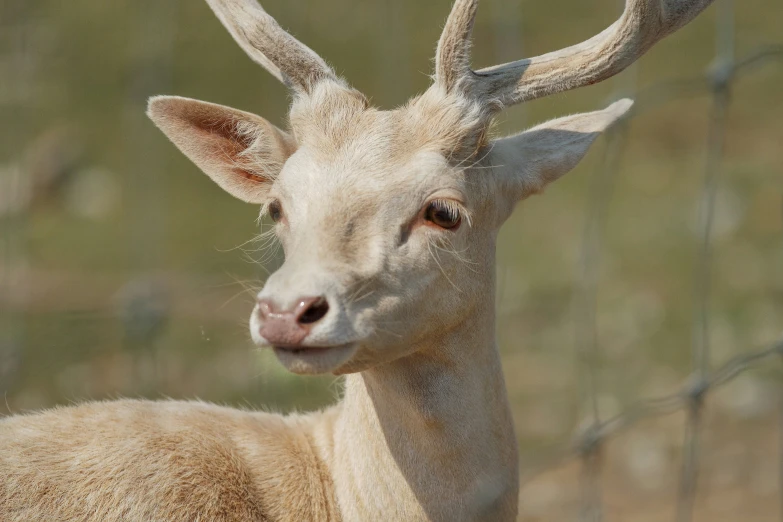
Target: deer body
137	460
388	220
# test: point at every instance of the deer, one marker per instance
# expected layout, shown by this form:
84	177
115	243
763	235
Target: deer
388	221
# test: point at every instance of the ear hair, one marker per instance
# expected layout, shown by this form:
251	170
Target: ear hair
241	152
527	162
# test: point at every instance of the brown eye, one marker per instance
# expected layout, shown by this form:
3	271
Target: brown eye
275	211
443	213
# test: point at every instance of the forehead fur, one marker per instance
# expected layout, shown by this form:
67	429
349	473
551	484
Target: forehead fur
334	119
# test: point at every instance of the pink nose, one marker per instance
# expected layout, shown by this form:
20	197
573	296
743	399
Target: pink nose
290	327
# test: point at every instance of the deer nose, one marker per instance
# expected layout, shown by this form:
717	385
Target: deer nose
290	327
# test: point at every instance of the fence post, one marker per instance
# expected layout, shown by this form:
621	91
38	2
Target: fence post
720	83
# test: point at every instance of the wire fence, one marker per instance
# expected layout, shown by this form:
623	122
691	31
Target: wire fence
718	83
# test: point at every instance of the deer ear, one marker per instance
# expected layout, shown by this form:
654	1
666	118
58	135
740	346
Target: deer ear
241	152
528	162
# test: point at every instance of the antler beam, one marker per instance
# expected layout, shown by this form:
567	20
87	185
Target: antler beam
262	38
642	24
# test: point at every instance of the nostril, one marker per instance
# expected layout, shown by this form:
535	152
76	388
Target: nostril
314	310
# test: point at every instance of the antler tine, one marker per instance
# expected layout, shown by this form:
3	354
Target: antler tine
452	61
642	25
262	38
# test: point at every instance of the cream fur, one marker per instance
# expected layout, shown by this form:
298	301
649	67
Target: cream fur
424	430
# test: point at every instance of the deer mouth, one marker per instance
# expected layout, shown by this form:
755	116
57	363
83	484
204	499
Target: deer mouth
313	360
304	350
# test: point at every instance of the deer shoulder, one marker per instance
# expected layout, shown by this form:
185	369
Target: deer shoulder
169	461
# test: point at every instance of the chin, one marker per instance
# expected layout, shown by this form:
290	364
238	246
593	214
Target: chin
367	358
316	360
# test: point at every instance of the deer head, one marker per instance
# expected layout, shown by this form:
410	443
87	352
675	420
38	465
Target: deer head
388	218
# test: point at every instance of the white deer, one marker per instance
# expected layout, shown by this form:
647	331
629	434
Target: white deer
388	220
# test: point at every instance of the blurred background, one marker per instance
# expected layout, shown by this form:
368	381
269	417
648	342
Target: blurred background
124	272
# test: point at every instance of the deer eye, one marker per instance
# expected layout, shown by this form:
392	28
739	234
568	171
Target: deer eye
443	213
275	211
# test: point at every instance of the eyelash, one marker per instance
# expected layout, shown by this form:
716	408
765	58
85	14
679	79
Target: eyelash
444	213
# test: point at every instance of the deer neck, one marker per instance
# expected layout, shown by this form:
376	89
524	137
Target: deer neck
430	436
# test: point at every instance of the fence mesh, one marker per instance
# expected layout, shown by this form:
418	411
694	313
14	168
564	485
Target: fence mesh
718	83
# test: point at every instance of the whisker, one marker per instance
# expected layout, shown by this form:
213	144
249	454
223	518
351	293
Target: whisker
435	258
365	296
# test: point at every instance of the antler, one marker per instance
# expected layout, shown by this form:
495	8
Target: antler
452	59
642	24
288	59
